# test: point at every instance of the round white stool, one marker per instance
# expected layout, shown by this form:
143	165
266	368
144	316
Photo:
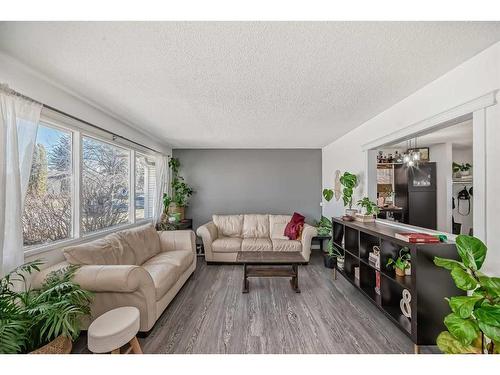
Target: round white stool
113	329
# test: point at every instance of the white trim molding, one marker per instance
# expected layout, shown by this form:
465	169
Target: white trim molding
444	119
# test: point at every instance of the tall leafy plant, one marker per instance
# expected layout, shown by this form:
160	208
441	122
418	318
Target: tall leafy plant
324	226
474	323
30	318
181	191
348	181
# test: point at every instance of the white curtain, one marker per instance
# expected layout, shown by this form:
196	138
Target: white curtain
18	127
162	182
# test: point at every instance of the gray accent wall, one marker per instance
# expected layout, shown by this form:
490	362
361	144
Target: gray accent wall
235	181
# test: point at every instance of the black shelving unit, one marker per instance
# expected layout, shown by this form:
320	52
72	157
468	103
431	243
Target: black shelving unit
428	284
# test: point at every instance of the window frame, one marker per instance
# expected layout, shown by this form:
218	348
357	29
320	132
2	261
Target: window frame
78	131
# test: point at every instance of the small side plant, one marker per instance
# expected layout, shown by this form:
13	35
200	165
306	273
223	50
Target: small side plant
474	323
31	318
324	226
401	263
370	207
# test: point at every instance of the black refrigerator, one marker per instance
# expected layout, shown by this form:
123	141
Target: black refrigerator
415	192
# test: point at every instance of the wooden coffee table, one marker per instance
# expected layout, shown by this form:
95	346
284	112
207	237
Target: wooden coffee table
270	264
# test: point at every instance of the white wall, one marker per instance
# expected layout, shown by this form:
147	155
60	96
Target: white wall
441	154
476	77
28	82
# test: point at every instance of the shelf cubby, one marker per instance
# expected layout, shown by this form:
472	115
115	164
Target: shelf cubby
366	244
428	284
351	240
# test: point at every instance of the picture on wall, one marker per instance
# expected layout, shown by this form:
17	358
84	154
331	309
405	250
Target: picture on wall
424	152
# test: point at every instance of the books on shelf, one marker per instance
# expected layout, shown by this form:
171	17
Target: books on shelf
374	260
414	237
377	282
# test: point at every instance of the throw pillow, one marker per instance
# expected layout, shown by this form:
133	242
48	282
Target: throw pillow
293	229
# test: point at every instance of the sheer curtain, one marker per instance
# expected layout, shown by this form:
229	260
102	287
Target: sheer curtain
18	127
162	182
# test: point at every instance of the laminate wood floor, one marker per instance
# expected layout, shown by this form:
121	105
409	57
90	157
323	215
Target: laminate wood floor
211	315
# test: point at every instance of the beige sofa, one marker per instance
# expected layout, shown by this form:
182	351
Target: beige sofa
136	267
226	235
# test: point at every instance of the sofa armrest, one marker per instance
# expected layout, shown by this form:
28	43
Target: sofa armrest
177	240
103	278
208	233
307	234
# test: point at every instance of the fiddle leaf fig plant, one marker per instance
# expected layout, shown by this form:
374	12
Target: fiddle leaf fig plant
370	207
474	322
348	181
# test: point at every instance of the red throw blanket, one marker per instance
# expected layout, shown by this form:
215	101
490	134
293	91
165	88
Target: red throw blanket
294	228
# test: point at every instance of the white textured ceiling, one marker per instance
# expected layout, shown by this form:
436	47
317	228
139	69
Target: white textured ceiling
245	84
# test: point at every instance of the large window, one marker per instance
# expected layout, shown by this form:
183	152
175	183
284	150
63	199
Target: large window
47	207
145	186
105	185
81	184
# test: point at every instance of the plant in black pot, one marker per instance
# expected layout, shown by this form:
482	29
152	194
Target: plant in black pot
332	256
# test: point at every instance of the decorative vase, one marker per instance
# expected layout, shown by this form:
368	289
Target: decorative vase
340	263
408	270
400	272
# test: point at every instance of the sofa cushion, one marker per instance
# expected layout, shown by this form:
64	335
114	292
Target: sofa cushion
286	245
99	252
256	244
143	241
228	225
277	225
226	245
163	273
181	258
256	226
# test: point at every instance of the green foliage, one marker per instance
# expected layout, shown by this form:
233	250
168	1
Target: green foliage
369	206
474	324
324	226
181	191
167	200
328	194
402	261
333	251
349	181
461	167
30	318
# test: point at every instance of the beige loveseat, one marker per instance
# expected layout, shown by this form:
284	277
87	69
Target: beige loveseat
226	235
135	267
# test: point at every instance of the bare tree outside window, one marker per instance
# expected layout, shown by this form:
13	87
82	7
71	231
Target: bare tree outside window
47	207
105	186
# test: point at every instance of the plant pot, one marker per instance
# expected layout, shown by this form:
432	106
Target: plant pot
400	272
340	263
351	212
173	209
408	270
329	261
60	345
365	218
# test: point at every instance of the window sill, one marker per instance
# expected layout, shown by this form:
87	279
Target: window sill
37	250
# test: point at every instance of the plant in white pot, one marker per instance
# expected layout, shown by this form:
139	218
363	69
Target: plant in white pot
370	210
349	182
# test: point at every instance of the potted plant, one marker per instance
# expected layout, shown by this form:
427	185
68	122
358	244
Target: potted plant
324	226
332	256
474	322
348	181
462	170
370	210
42	320
402	263
181	191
